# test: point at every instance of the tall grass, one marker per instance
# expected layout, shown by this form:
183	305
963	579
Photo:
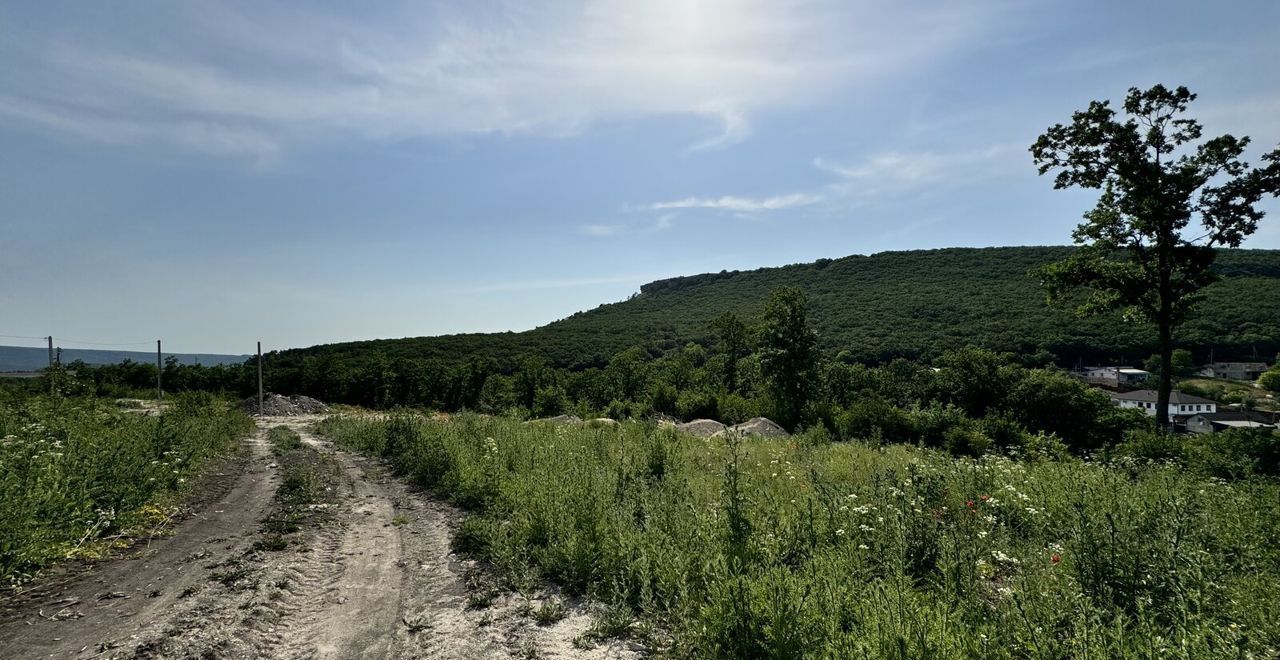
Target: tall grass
766	549
76	470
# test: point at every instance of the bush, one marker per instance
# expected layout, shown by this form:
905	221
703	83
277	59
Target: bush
617	410
662	399
966	440
875	418
549	401
734	409
1151	445
1235	453
1004	430
931	424
697	405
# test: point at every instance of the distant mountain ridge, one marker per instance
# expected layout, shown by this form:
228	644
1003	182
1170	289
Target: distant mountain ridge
874	308
26	358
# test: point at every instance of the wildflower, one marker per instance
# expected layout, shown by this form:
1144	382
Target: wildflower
1056	558
969	504
984	498
1003	558
862	546
840	532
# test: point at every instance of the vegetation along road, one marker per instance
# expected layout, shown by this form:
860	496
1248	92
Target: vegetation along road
292	550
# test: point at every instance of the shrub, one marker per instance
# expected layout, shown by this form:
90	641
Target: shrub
1003	430
1235	453
1150	445
874	417
931	424
697	405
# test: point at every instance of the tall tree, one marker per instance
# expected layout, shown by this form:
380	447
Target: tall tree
733	343
788	352
1156	177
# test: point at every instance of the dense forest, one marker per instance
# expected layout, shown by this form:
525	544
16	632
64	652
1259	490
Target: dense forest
868	309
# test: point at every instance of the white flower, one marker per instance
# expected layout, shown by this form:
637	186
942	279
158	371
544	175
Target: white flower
1002	557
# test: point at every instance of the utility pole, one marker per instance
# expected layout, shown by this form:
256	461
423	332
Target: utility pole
49	373
259	378
159	372
50	351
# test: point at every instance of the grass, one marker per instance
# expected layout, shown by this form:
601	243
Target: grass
307	487
77	473
729	548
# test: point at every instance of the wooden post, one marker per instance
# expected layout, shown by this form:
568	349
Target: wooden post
159	371
259	378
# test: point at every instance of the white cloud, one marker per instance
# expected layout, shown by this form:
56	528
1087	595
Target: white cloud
599	230
897	171
230	81
740	204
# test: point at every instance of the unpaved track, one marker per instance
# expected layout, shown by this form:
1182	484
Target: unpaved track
377	581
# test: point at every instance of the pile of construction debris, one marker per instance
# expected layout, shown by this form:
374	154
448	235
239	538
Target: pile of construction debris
275	405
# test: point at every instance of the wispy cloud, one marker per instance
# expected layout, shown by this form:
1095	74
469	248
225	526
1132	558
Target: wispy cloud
228	80
899	171
740	204
599	230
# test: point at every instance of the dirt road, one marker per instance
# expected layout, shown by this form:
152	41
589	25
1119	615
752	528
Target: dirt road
377	580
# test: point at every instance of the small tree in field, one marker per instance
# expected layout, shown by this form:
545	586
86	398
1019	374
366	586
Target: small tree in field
1156	177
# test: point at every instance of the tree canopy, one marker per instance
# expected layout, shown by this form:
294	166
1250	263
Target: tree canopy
1140	251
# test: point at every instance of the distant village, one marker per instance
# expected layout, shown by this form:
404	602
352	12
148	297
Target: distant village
1239	404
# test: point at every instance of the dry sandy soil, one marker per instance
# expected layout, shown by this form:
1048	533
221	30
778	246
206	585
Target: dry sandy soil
377	580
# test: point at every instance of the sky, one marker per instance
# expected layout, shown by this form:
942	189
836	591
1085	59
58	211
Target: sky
219	173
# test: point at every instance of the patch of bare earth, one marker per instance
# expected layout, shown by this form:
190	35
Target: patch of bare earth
376	580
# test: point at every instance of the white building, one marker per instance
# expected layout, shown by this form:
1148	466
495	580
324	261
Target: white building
1114	376
1180	405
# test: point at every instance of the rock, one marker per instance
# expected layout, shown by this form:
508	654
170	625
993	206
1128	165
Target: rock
602	422
559	419
702	428
761	427
275	405
663	420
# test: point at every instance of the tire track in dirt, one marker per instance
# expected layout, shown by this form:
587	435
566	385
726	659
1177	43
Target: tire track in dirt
95	610
378	580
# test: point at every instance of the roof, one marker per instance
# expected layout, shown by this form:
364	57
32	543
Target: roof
1129	370
1150	396
1242	424
1233	416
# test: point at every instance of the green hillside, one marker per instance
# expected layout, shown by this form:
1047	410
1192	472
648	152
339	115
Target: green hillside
871	309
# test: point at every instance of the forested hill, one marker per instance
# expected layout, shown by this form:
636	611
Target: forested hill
873	308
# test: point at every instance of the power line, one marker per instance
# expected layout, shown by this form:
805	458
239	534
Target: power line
99	343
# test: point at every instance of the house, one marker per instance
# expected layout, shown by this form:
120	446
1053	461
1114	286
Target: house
1114	376
1180	404
1230	419
1233	370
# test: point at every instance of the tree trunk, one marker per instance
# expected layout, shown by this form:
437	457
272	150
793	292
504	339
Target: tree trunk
1163	422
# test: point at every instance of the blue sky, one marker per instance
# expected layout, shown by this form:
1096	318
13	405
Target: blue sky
217	173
